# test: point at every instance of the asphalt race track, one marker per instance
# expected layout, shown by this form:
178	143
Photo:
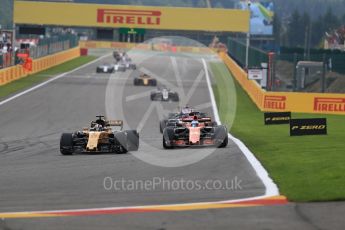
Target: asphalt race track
34	176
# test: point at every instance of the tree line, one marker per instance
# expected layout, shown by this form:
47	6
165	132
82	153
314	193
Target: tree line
6	14
301	29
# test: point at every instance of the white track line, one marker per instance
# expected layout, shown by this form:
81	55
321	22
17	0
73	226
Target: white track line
271	187
210	90
48	81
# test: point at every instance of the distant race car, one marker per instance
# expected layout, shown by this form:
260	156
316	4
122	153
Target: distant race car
130	65
105	68
100	138
124	65
120	66
117	55
185	132
164	94
145	80
123	60
186	113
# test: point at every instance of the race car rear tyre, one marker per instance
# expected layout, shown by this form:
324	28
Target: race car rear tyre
132	140
136	81
153	97
175	97
66	144
221	133
214	123
168	135
153	82
122	141
224	143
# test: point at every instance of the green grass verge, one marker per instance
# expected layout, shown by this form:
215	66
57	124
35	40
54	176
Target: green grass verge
306	168
34	79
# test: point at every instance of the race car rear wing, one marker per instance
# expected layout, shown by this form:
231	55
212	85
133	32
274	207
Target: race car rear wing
115	123
204	119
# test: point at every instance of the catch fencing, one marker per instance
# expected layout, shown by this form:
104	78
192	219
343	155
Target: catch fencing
295	69
44	47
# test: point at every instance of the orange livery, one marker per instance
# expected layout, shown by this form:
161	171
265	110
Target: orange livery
193	129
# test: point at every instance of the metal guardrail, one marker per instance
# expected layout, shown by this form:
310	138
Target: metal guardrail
237	50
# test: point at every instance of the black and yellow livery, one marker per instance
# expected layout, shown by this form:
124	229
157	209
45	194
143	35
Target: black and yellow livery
145	80
100	138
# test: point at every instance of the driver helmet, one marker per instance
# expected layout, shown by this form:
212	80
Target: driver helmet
98	127
195	122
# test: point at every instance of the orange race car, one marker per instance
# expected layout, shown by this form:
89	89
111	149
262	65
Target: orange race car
194	131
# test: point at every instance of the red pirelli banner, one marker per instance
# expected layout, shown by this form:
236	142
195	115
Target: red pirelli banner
329	104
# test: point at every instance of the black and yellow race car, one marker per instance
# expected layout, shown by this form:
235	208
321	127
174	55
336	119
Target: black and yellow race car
145	80
100	138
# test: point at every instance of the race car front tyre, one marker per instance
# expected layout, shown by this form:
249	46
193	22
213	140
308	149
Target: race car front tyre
122	142
162	125
132	140
66	144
